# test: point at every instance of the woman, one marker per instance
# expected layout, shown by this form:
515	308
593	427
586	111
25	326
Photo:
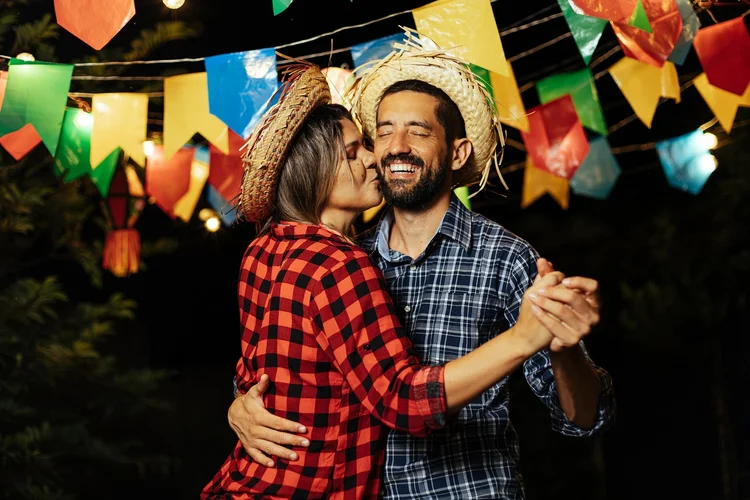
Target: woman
318	320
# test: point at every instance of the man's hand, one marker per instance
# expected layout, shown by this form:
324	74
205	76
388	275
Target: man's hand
261	432
528	328
568	311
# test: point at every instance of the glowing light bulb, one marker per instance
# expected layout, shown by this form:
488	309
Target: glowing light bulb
148	148
212	224
710	140
174	4
707	164
25	56
83	119
205	214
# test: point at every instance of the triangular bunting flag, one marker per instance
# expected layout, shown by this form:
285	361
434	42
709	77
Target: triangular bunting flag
537	182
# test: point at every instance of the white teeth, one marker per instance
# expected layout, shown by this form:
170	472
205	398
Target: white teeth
401	168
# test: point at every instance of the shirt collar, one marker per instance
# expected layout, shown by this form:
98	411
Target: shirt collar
296	230
456	225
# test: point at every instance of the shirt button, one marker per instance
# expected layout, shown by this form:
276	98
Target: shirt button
407	308
412	267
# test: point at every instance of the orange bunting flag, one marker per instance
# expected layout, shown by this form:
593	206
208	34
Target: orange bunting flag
466	28
167	180
723	104
95	22
20	143
3	84
225	174
656	46
556	140
724	52
186	113
120	121
619	11
643	85
537	182
122	252
508	102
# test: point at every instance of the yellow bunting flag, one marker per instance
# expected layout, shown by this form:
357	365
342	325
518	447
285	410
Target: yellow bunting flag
370	213
643	84
186	113
185	206
723	104
467	29
510	109
120	121
537	182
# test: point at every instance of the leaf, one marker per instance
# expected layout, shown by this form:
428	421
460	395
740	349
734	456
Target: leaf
30	36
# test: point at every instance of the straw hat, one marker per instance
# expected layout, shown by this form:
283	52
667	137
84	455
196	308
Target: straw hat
419	58
304	88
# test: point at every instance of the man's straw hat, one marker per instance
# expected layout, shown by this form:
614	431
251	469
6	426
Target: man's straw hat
304	88
419	58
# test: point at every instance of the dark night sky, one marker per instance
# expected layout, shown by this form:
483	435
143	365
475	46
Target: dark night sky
188	320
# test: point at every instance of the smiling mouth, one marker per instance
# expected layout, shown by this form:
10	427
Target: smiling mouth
402	168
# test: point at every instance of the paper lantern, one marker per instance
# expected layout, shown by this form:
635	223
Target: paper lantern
586	30
465	28
122	252
598	174
686	161
724	52
556	141
95	22
240	86
652	48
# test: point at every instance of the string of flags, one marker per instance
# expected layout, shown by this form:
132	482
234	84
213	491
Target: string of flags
225	102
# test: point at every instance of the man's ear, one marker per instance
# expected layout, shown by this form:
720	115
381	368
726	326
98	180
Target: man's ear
462	149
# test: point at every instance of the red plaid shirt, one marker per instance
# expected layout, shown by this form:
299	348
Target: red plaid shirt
318	320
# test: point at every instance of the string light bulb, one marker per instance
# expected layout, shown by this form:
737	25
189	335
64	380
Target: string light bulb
205	214
83	119
25	56
148	148
710	140
174	4
212	224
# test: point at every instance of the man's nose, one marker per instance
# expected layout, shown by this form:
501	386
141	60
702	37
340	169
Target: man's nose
399	144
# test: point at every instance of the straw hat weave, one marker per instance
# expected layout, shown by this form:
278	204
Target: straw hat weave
304	89
419	58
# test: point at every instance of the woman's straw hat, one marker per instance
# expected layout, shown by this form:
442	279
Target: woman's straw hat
304	88
419	58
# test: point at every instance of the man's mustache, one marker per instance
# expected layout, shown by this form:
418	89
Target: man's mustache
401	158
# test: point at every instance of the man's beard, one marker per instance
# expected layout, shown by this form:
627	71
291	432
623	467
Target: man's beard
421	194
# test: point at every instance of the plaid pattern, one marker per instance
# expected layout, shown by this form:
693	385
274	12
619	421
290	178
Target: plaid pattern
465	288
317	319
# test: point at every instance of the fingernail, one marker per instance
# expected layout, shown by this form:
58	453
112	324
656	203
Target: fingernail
532	295
269	463
302	429
305	442
293	456
541	291
535	309
566	281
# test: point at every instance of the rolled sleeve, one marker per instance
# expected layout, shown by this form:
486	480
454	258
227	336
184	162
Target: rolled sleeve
428	388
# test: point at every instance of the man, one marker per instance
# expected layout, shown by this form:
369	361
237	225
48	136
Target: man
458	279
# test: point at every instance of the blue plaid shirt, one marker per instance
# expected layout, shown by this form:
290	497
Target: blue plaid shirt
464	289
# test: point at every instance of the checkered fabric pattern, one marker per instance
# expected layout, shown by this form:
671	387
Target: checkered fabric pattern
317	320
466	288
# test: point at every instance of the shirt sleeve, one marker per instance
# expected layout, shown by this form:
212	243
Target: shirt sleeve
538	368
356	325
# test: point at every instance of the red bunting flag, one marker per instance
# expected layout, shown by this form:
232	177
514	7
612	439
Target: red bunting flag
95	22
724	52
556	141
226	170
652	48
168	181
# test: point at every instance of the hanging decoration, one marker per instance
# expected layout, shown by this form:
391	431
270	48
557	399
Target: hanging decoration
586	30
225	173
463	195
506	95
639	19
167	180
185	206
371	213
3	84
36	93
186	113
469	27
120	121
93	21
690	26
74	151
687	162
619	11
240	86
124	204
340	80
724	52
580	86
652	48
722	103
643	85
598	174
280	6
21	142
556	141
374	50
122	252
537	182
